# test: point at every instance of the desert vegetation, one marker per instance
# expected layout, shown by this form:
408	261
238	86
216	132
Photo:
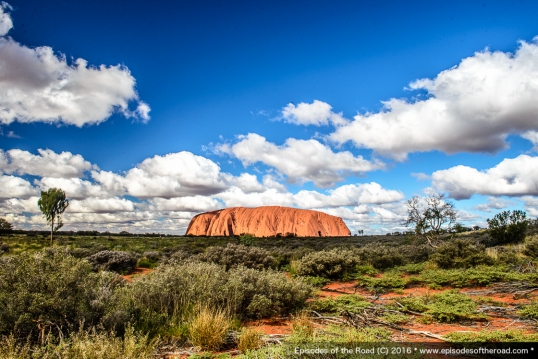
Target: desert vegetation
201	295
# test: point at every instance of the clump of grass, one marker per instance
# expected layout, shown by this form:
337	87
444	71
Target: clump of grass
349	302
414	304
249	339
302	328
208	328
484	336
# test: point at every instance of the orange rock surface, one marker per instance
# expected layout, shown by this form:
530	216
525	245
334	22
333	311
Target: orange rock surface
266	222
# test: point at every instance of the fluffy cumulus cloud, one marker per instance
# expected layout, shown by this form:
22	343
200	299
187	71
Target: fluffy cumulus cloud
471	107
317	113
323	167
38	86
494	203
46	164
511	177
16	187
173	175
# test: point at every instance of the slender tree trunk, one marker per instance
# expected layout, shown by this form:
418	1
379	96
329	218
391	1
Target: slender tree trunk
51	231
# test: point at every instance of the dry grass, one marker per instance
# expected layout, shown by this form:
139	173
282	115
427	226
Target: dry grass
249	339
84	345
208	328
302	326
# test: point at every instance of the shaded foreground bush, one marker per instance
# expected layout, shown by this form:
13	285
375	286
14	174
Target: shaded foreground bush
115	261
172	292
234	255
51	291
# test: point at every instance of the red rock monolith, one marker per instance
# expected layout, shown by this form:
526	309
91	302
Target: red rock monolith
266	222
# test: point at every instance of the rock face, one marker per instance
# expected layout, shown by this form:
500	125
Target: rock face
267	221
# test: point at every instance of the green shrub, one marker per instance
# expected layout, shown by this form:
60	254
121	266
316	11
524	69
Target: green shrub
234	255
350	302
247	239
4	248
331	264
115	261
450	306
53	291
380	257
170	293
414	304
415	253
529	311
508	227
476	276
460	253
316	281
152	256
486	335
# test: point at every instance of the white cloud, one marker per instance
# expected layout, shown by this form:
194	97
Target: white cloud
38	86
348	195
16	187
511	177
300	160
317	113
471	107
46	164
6	23
493	203
101	205
173	175
188	204
75	188
19	205
531	205
533	137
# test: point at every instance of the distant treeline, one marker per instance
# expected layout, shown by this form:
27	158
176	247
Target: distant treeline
86	233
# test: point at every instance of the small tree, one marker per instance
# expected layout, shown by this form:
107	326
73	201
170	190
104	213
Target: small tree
53	204
5	225
508	227
431	216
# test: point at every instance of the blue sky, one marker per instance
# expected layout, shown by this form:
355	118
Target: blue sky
148	113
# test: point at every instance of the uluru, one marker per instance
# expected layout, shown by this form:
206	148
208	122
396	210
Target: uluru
267	221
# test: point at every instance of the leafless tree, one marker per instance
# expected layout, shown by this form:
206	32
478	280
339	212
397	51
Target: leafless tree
431	216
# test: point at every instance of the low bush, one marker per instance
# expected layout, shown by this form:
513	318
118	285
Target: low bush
460	253
114	261
316	281
486	335
476	276
450	306
508	226
51	291
380	257
152	256
529	311
171	292
331	264
351	302
234	255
